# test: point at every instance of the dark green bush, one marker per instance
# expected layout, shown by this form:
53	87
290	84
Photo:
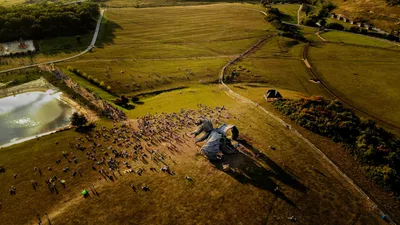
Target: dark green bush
376	149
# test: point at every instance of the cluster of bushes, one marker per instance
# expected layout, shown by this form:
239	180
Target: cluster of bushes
124	102
272	14
290	31
38	21
320	13
335	26
90	78
376	149
393	2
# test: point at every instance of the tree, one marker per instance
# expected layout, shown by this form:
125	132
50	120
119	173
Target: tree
124	100
78	39
78	120
354	29
335	26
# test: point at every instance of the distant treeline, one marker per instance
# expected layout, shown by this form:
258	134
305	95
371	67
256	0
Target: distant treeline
375	148
393	2
39	21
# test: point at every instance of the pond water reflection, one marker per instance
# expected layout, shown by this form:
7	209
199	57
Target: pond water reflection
30	114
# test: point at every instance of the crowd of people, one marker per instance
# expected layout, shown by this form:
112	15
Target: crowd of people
128	147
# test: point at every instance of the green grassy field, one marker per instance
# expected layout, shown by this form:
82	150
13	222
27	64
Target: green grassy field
345	25
289	12
164	47
366	77
277	64
347	37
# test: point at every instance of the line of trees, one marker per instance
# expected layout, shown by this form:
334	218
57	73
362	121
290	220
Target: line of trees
375	148
91	79
44	20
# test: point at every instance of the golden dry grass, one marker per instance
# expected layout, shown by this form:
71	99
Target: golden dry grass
214	197
170	46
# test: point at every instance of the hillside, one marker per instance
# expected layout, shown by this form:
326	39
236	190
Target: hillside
376	12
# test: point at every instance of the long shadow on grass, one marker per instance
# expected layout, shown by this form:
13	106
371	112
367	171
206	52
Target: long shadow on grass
106	36
250	170
107	33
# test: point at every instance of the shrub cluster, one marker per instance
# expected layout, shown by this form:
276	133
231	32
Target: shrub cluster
319	14
274	17
124	102
393	2
356	29
44	20
90	78
376	149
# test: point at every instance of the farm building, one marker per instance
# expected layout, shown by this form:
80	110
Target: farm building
272	95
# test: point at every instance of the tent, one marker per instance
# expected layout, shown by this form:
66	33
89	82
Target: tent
85	192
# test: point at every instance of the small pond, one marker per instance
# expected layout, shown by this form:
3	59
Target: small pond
31	114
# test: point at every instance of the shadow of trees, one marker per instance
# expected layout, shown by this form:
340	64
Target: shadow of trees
251	167
107	33
106	36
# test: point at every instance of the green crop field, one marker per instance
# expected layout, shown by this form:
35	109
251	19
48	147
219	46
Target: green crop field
366	77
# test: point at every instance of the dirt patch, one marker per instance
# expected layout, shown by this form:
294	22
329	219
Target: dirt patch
90	115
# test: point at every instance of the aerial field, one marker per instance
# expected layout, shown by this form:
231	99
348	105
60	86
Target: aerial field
277	64
366	77
159	46
309	189
276	178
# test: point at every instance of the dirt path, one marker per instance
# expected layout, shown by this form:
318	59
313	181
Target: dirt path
239	97
96	33
320	36
298	14
106	108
